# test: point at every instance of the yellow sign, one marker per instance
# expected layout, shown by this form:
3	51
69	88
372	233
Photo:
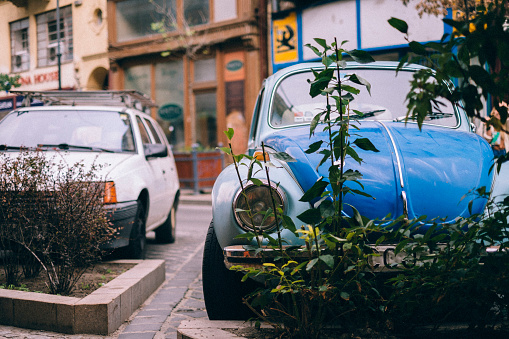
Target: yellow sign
285	39
458	15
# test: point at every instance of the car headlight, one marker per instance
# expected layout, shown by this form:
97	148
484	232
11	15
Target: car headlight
257	200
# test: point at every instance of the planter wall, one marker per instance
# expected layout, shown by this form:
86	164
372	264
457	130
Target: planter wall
198	170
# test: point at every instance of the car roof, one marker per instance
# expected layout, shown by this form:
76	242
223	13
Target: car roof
81	108
92	99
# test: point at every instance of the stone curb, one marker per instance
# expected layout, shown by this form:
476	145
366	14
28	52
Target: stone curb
210	329
101	312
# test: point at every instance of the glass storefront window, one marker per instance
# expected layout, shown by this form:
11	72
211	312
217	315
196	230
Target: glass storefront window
206	119
205	70
196	12
138	78
134	18
169	83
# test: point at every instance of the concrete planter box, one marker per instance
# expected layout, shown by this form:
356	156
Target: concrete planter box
101	312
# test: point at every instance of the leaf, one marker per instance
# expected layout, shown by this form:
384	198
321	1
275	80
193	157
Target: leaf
399	24
365	144
314	49
345	296
321	42
256	181
315	191
288	223
417	48
229	133
361	56
328	260
227	150
311	264
283	156
360	81
314	147
310	216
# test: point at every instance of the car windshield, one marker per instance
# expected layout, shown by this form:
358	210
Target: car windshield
74	130
292	104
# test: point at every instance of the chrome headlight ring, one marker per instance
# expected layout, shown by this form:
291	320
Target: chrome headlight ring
259	201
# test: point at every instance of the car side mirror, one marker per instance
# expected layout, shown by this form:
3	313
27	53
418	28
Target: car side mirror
155	150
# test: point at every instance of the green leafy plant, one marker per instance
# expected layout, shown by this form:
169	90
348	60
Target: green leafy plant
7	82
476	54
329	280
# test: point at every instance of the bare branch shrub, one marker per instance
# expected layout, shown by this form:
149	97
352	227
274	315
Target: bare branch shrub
54	211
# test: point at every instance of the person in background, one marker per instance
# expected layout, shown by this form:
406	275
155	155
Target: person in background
495	135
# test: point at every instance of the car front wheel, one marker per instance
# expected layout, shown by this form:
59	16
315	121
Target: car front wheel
137	239
223	289
165	234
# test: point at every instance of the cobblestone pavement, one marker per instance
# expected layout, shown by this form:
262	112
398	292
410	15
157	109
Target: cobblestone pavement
179	298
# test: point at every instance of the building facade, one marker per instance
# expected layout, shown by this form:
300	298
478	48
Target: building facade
362	23
201	61
29	27
32	46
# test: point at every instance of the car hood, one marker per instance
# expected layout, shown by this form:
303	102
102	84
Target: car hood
430	170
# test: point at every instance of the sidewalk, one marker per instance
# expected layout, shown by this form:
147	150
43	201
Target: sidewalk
188	197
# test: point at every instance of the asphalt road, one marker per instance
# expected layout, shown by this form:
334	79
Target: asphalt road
180	298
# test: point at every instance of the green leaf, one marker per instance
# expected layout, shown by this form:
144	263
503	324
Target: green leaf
417	48
314	49
345	296
314	147
311	216
399	24
360	81
365	144
227	150
256	181
229	133
311	264
314	123
288	223
315	191
328	260
361	56
353	154
321	42
283	156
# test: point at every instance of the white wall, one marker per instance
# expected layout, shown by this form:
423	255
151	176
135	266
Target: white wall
333	20
376	31
339	19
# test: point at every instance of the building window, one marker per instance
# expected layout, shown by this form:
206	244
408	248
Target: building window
169	84
48	40
205	70
138	78
225	10
196	12
20	54
139	18
205	102
206	119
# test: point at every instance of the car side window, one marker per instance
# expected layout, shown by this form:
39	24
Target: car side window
152	129
145	138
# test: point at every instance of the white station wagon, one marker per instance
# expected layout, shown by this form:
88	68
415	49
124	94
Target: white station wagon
110	129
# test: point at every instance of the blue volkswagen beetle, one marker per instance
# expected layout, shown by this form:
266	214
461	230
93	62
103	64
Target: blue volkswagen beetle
417	172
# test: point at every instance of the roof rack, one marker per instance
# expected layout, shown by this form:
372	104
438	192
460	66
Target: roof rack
129	98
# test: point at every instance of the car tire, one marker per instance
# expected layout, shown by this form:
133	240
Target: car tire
165	234
137	239
223	289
